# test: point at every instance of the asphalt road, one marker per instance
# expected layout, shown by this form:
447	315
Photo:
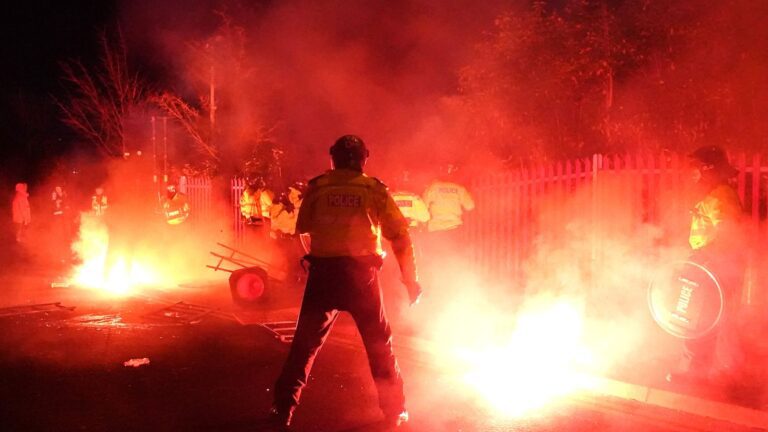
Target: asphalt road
64	371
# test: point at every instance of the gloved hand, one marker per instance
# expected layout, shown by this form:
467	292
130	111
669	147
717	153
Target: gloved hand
414	291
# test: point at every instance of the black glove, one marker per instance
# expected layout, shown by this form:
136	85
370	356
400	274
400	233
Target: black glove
414	291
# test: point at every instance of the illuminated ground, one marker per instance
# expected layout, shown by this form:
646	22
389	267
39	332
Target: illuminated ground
64	371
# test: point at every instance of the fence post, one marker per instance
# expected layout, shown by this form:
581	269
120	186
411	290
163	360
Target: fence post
597	165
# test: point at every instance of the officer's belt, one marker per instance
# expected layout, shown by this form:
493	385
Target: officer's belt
371	260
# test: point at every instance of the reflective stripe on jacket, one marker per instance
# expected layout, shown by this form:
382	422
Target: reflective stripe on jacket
720	205
347	212
446	202
412	207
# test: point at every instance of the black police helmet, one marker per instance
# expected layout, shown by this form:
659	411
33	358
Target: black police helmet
349	151
713	158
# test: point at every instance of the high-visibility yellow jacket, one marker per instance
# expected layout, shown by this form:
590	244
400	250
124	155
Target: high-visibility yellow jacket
99	204
446	202
412	207
265	200
346	212
284	219
255	203
249	203
176	209
721	206
59	201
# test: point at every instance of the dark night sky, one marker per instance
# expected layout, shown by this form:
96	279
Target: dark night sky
37	35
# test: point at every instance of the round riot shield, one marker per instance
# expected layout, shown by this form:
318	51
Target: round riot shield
686	300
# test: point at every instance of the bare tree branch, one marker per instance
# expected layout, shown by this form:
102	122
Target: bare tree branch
190	120
98	100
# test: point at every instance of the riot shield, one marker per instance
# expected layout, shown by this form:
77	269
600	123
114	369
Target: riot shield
686	300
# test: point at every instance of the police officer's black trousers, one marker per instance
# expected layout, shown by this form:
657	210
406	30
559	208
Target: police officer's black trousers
701	355
333	285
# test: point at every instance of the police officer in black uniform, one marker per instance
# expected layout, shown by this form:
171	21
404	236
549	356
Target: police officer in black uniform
345	212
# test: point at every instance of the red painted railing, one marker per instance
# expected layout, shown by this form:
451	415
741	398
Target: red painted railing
199	192
237	185
532	205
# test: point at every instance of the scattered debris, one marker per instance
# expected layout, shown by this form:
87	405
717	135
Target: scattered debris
99	320
182	313
35	308
281	330
136	362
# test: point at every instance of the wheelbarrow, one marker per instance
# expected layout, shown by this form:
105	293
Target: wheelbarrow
252	281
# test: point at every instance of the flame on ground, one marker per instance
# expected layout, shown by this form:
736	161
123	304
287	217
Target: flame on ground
538	361
115	272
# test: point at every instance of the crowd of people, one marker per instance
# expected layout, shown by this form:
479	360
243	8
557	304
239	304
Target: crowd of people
58	214
439	209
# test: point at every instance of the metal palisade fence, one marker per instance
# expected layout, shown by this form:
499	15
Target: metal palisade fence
199	191
237	186
523	208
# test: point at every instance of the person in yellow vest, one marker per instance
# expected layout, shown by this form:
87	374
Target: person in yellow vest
283	215
412	206
99	202
446	201
716	243
59	201
346	213
175	206
266	197
61	232
255	203
285	210
250	204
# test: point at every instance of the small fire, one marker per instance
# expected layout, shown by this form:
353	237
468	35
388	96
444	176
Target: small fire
541	361
515	364
116	272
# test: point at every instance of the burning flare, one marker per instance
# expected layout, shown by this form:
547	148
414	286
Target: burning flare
112	271
538	363
539	357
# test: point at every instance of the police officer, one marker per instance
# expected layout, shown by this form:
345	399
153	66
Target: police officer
412	206
345	213
99	202
284	211
447	201
255	202
175	206
716	244
59	202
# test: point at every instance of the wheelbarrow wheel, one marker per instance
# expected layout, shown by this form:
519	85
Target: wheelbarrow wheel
248	286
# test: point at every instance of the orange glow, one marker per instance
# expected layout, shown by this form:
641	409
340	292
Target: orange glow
112	271
537	364
516	364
